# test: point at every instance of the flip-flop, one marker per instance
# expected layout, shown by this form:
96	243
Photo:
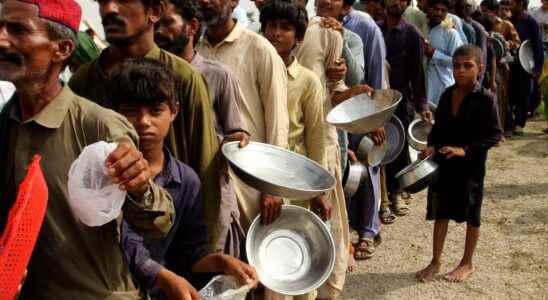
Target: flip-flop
364	249
400	208
387	217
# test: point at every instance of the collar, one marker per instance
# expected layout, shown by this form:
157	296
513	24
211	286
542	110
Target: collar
294	69
170	172
197	59
234	35
51	116
399	27
154	53
348	16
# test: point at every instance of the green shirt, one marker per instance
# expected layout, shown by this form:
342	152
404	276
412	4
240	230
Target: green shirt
72	260
192	139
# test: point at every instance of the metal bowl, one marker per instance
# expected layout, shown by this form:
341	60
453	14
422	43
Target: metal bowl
357	173
526	56
413	153
395	139
418	175
277	171
417	134
295	254
370	154
362	114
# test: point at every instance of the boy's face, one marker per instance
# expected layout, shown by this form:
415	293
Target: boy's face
465	70
505	12
282	35
152	123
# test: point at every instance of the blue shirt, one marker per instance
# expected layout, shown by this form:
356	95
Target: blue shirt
353	54
439	71
374	49
185	244
457	24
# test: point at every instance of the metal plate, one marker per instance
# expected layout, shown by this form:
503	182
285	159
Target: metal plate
526	57
278	171
417	134
363	114
295	254
395	139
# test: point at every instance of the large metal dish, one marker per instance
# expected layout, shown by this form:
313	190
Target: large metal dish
418	175
277	171
362	114
526	56
370	154
417	134
357	174
395	139
295	254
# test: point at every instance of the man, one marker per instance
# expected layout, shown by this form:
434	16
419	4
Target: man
522	87
373	7
144	91
405	52
443	41
504	27
464	9
505	9
129	28
178	32
263	83
45	117
416	17
541	16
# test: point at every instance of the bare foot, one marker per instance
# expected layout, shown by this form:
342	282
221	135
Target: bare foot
351	264
460	273
427	274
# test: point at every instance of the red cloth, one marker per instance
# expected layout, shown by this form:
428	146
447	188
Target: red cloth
66	12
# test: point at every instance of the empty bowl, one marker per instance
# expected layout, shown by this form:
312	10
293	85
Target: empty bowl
417	134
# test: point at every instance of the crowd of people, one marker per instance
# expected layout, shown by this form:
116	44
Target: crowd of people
177	79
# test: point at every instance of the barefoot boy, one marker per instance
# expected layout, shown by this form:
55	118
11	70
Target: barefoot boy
466	127
144	90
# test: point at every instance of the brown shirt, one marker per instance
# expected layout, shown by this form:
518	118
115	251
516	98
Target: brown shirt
508	31
72	260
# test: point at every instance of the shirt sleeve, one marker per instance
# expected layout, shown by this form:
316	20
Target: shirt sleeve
375	55
538	48
272	80
314	121
334	48
416	69
228	104
353	55
445	58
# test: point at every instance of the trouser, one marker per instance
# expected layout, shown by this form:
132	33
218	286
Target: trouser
502	94
521	87
535	98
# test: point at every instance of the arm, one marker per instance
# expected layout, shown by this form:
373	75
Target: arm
353	55
488	132
333	50
446	58
375	55
512	36
314	121
416	71
228	103
538	48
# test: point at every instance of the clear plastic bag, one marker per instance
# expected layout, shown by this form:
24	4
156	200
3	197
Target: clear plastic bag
94	199
223	287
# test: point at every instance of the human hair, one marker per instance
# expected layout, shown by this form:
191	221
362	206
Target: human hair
58	32
447	3
287	11
189	9
524	3
143	82
469	51
491	5
505	3
348	2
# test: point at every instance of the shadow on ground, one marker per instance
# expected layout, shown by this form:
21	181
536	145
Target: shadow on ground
375	285
511	190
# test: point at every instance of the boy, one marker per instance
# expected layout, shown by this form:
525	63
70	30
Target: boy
144	90
466	127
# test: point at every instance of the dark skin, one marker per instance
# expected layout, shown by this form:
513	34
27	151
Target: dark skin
436	14
33	61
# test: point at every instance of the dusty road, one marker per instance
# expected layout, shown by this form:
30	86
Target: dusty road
512	256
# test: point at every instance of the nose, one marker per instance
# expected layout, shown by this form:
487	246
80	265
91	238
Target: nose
4	41
108	7
143	120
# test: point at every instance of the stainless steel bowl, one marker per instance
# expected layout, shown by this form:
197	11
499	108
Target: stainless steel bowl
295	254
526	57
357	174
417	134
418	175
369	153
363	114
278	171
413	153
395	139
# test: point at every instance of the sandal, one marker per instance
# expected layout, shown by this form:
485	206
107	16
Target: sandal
406	197
364	249
387	217
400	208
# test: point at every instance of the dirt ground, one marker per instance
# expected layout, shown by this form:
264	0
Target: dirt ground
512	255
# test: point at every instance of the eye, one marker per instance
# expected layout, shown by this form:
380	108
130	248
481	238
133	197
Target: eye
16	29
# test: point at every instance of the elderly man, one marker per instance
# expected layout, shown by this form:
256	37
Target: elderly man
178	32
37	39
263	82
129	28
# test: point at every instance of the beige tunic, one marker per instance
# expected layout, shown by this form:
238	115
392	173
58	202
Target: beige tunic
263	105
319	50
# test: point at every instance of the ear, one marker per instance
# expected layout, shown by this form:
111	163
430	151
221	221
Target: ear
194	26
63	50
234	3
156	12
174	112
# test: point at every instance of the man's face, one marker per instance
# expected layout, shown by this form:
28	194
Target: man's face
124	20
437	13
422	5
515	7
172	31
260	3
152	123
26	51
395	8
329	8
281	35
505	12
217	12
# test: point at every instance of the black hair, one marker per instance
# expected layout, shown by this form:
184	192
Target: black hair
143	81
505	3
469	51
349	2
447	3
524	3
288	11
491	5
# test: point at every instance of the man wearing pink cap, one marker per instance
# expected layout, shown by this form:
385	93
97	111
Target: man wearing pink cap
70	260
